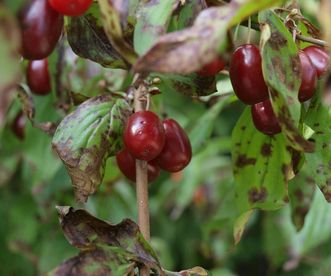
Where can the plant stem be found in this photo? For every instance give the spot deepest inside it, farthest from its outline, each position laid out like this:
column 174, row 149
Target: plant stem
column 142, row 182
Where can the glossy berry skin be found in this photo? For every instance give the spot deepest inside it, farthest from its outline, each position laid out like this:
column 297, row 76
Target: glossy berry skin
column 177, row 151
column 212, row 68
column 41, row 28
column 127, row 165
column 246, row 75
column 144, row 135
column 18, row 125
column 71, row 7
column 319, row 58
column 264, row 118
column 308, row 78
column 38, row 77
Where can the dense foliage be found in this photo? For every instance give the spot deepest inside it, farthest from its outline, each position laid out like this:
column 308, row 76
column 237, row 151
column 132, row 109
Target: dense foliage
column 248, row 81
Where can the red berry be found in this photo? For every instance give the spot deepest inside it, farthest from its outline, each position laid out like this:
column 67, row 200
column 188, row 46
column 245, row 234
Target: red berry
column 319, row 58
column 308, row 78
column 264, row 118
column 18, row 125
column 177, row 151
column 38, row 77
column 144, row 135
column 127, row 165
column 246, row 75
column 71, row 7
column 41, row 29
column 212, row 68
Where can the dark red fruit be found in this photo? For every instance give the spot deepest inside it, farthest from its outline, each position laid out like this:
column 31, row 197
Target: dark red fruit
column 212, row 68
column 71, row 7
column 18, row 125
column 41, row 29
column 177, row 151
column 308, row 78
column 246, row 75
column 37, row 76
column 127, row 165
column 144, row 135
column 264, row 118
column 319, row 58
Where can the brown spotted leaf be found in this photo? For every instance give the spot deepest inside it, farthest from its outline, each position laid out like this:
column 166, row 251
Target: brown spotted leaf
column 195, row 271
column 87, row 137
column 10, row 70
column 281, row 71
column 106, row 249
column 301, row 192
column 88, row 39
column 261, row 167
column 111, row 14
column 186, row 51
column 319, row 163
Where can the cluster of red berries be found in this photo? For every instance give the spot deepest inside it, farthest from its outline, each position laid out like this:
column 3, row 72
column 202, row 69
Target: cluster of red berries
column 248, row 83
column 163, row 144
column 41, row 27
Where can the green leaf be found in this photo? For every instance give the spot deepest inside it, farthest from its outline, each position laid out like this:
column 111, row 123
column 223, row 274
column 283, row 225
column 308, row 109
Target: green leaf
column 105, row 248
column 281, row 71
column 186, row 51
column 319, row 163
column 10, row 70
column 87, row 137
column 87, row 39
column 152, row 22
column 261, row 167
column 240, row 224
column 111, row 14
column 204, row 126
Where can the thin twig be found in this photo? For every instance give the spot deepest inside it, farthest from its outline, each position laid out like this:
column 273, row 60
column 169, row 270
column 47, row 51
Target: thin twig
column 141, row 177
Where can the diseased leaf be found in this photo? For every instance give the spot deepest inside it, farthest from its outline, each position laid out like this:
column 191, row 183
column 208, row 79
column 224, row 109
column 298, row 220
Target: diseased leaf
column 152, row 22
column 262, row 166
column 301, row 192
column 88, row 39
column 87, row 137
column 105, row 248
column 281, row 71
column 319, row 163
column 111, row 13
column 190, row 85
column 188, row 50
column 10, row 70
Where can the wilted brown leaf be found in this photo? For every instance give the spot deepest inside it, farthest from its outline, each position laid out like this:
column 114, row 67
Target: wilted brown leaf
column 105, row 248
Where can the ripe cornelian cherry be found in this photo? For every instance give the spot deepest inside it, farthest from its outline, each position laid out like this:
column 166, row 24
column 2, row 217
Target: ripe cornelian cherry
column 177, row 151
column 319, row 58
column 144, row 135
column 246, row 75
column 18, row 125
column 127, row 165
column 71, row 7
column 308, row 78
column 41, row 28
column 38, row 77
column 212, row 68
column 264, row 118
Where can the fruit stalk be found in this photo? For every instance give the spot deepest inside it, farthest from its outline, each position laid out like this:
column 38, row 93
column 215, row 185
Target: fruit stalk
column 142, row 181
